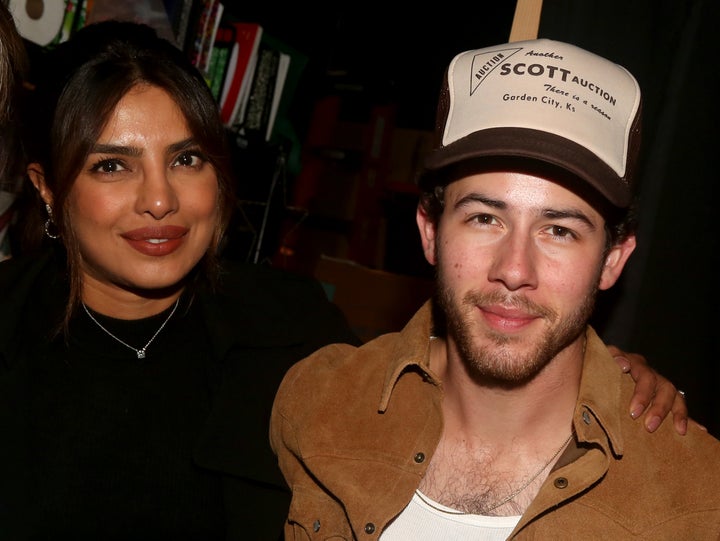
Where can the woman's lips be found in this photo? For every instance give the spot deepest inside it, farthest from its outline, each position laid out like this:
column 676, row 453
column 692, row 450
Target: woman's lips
column 156, row 241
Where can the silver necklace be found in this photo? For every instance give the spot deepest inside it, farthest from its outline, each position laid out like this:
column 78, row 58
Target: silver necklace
column 139, row 352
column 507, row 498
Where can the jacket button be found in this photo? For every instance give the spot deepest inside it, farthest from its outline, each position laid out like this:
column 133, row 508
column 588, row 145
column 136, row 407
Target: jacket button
column 586, row 417
column 369, row 527
column 316, row 526
column 419, row 458
column 561, row 482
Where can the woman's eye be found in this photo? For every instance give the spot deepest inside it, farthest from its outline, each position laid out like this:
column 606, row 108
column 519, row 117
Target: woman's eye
column 189, row 159
column 108, row 166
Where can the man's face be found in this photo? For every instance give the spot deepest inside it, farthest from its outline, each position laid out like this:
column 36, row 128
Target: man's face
column 519, row 261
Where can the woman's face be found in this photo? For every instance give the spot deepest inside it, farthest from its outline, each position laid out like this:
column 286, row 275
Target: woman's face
column 144, row 208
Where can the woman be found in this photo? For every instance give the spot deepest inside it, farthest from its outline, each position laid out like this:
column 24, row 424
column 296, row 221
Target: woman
column 136, row 376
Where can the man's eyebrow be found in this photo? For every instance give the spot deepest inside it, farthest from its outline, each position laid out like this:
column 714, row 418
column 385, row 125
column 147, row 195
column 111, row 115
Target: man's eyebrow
column 475, row 197
column 572, row 214
column 557, row 214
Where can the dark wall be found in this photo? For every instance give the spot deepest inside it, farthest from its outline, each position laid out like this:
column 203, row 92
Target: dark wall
column 666, row 304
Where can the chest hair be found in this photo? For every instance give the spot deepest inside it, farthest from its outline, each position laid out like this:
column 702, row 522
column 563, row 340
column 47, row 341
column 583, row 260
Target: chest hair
column 475, row 481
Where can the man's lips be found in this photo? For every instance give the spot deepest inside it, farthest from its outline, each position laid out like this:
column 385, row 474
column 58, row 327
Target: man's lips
column 507, row 318
column 156, row 241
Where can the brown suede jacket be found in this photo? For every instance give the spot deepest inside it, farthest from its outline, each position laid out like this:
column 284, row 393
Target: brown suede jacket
column 355, row 428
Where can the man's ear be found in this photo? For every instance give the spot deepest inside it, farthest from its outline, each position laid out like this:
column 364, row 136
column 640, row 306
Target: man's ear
column 615, row 262
column 428, row 234
column 36, row 174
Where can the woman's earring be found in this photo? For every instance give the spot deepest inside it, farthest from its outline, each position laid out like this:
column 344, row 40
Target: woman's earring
column 50, row 227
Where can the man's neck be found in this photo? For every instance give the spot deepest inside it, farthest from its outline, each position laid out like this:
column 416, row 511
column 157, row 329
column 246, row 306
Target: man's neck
column 496, row 439
column 494, row 411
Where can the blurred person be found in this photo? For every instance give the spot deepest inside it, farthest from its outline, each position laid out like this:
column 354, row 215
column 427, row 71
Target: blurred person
column 13, row 69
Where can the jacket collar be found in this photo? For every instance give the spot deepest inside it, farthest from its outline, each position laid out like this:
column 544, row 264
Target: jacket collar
column 601, row 378
column 412, row 349
column 599, row 396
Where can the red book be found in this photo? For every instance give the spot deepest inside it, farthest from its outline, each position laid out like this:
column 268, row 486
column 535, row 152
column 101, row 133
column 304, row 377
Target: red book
column 240, row 71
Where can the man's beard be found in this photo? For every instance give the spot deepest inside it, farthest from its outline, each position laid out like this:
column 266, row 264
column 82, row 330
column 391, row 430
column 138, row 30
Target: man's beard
column 497, row 362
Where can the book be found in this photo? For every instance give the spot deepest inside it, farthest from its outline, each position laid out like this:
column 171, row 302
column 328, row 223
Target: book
column 257, row 115
column 208, row 41
column 283, row 128
column 243, row 59
column 178, row 12
column 220, row 59
column 81, row 14
column 72, row 8
column 202, row 31
column 280, row 78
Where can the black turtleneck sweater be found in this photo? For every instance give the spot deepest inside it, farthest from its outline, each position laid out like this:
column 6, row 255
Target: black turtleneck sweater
column 113, row 434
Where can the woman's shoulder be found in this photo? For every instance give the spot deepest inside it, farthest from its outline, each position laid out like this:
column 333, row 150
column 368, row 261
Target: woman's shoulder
column 31, row 288
column 18, row 273
column 276, row 303
column 244, row 278
column 268, row 290
column 15, row 266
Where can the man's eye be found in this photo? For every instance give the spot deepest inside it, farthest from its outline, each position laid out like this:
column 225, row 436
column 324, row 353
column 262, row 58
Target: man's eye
column 484, row 219
column 559, row 231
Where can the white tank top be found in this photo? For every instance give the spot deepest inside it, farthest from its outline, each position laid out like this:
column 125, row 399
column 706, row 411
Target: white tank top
column 426, row 520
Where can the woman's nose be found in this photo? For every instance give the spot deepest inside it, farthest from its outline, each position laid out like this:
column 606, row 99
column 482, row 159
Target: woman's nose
column 156, row 194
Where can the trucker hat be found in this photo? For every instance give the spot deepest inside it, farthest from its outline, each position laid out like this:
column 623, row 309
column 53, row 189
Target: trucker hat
column 545, row 101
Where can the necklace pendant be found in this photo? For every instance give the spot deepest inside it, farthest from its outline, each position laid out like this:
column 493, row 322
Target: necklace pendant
column 140, row 352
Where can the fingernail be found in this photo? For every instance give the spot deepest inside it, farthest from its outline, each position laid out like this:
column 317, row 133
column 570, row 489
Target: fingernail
column 653, row 423
column 637, row 412
column 623, row 362
column 683, row 427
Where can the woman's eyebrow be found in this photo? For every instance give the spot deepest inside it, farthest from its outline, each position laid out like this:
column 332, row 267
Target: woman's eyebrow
column 104, row 148
column 109, row 148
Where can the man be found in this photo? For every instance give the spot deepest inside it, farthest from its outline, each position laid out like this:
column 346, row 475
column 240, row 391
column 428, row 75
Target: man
column 498, row 413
